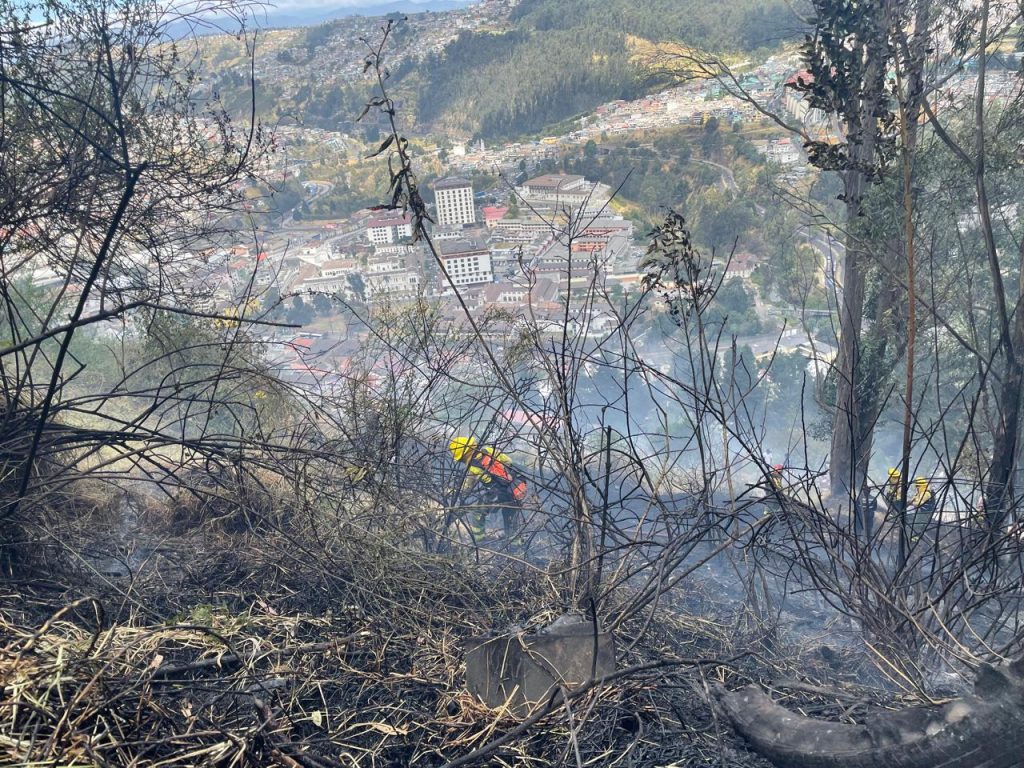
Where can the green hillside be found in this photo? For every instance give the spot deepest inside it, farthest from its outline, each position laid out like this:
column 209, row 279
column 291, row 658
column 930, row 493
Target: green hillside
column 549, row 61
column 564, row 57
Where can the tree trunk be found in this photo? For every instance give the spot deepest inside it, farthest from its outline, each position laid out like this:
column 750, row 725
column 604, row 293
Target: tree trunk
column 853, row 421
column 983, row 730
column 999, row 488
column 847, row 441
column 1005, row 443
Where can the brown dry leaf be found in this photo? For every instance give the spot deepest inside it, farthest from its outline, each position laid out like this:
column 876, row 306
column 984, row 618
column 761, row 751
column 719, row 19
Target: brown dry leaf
column 387, row 730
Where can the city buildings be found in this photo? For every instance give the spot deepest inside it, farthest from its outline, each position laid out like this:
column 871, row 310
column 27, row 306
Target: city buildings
column 384, row 230
column 466, row 262
column 556, row 190
column 453, row 198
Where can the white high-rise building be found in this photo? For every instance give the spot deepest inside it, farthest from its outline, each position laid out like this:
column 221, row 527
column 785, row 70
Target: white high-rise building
column 454, row 200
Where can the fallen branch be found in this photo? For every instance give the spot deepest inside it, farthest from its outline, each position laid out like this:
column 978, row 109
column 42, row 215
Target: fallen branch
column 167, row 670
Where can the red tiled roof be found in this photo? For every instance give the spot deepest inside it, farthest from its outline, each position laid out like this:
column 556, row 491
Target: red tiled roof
column 389, row 221
column 803, row 77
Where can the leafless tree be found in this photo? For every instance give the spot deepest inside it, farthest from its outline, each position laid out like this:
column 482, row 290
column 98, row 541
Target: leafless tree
column 118, row 172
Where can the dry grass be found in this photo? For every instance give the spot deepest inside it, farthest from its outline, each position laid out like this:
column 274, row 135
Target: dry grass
column 334, row 639
column 252, row 653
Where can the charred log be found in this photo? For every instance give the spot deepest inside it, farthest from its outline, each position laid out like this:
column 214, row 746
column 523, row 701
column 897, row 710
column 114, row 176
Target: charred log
column 981, row 730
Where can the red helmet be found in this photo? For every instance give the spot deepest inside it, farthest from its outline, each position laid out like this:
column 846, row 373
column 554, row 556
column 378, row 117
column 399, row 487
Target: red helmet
column 778, row 467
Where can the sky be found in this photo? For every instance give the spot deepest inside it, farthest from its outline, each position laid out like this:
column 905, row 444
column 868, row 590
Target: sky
column 292, row 13
column 301, row 5
column 290, row 6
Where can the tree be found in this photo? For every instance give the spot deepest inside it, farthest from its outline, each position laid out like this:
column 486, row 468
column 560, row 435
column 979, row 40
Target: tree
column 722, row 219
column 323, row 305
column 735, row 303
column 848, row 56
column 978, row 33
column 109, row 151
column 300, row 312
column 711, row 139
column 849, row 53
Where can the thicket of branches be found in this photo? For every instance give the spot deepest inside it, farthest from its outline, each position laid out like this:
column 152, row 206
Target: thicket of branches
column 284, row 518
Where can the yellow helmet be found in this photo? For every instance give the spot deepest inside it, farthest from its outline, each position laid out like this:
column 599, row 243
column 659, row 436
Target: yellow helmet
column 894, row 474
column 921, row 482
column 459, row 445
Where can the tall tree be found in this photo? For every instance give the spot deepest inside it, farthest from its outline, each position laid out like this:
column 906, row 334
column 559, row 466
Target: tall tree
column 975, row 128
column 848, row 55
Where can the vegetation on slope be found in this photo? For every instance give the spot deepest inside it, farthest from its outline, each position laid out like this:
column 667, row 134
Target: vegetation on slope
column 564, row 58
column 553, row 60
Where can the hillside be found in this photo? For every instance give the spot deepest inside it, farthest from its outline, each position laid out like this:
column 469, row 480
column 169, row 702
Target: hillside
column 562, row 58
column 494, row 70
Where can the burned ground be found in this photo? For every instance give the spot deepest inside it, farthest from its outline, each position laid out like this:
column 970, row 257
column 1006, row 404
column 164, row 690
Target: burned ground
column 274, row 647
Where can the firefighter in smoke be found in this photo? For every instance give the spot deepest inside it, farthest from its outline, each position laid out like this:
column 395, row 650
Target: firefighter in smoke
column 498, row 485
column 891, row 494
column 776, row 478
column 921, row 508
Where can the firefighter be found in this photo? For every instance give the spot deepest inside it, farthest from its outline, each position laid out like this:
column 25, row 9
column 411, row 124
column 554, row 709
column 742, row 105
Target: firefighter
column 499, row 484
column 892, row 495
column 921, row 508
column 776, row 477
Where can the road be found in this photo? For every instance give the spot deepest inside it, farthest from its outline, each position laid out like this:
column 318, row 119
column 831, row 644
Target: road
column 727, row 175
column 834, row 253
column 320, row 188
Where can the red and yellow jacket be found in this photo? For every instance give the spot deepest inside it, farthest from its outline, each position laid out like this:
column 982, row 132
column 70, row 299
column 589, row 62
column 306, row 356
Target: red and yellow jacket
column 488, row 466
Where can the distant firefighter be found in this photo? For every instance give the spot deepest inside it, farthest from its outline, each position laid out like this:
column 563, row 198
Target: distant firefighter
column 892, row 493
column 921, row 508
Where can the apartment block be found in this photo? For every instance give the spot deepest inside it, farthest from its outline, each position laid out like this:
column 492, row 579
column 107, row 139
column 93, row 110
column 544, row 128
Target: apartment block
column 454, row 200
column 466, row 262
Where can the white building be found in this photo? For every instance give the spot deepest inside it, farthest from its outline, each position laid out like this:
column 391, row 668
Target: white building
column 557, row 190
column 403, row 284
column 454, row 200
column 338, row 268
column 466, row 262
column 794, row 102
column 782, row 152
column 391, row 278
column 389, row 229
